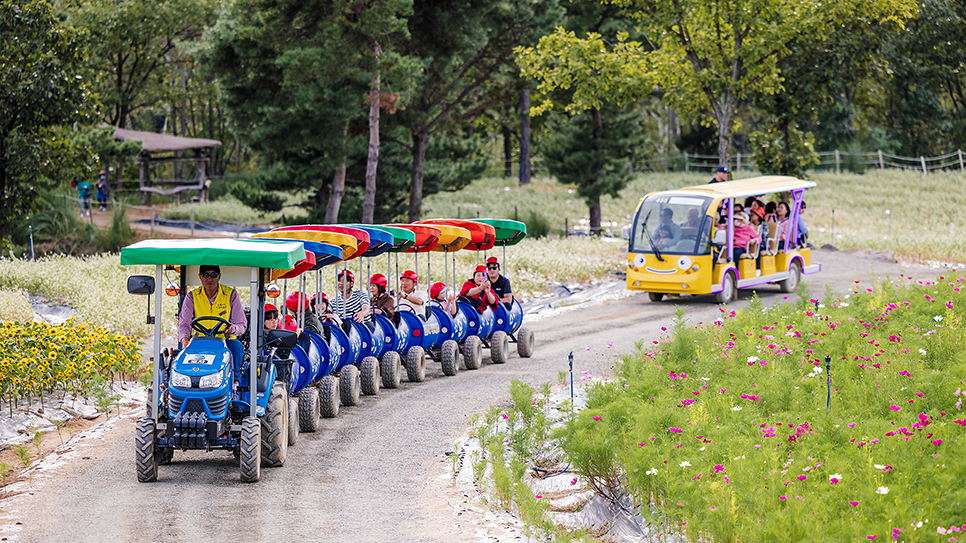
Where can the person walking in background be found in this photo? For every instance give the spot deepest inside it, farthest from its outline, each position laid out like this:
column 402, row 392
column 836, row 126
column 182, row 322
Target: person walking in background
column 84, row 193
column 720, row 176
column 102, row 190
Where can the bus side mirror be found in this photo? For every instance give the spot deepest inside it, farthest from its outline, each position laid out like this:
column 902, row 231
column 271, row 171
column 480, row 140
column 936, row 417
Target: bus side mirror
column 720, row 237
column 626, row 231
column 140, row 284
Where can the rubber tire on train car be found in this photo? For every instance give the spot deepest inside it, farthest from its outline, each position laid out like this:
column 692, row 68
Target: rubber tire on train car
column 499, row 347
column 274, row 434
column 350, row 385
column 329, row 396
column 450, row 357
column 309, row 409
column 416, row 364
column 473, row 353
column 391, row 368
column 293, row 420
column 250, row 453
column 144, row 440
column 370, row 376
column 525, row 342
column 794, row 278
column 729, row 289
column 655, row 296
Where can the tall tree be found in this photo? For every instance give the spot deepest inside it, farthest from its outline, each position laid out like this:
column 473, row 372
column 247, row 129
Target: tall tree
column 706, row 56
column 40, row 89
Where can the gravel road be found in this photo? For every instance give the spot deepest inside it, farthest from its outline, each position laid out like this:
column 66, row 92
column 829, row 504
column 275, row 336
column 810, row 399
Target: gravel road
column 364, row 477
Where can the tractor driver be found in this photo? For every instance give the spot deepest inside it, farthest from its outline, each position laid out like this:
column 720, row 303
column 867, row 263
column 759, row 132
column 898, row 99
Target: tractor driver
column 212, row 299
column 499, row 284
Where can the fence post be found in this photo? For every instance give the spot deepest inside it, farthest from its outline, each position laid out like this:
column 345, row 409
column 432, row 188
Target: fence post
column 152, row 220
column 960, row 153
column 738, row 168
column 686, row 170
column 837, row 169
column 881, row 162
column 192, row 221
column 922, row 160
column 566, row 227
column 238, row 230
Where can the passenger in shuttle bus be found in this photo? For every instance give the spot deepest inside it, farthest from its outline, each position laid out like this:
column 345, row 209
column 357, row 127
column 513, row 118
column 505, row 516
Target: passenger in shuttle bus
column 667, row 214
column 770, row 215
column 694, row 219
column 744, row 232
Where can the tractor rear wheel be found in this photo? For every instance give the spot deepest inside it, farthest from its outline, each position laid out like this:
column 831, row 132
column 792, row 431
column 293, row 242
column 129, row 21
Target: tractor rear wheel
column 370, row 376
column 472, row 353
column 147, row 464
column 450, row 357
column 329, row 396
column 391, row 369
column 499, row 348
column 525, row 342
column 416, row 364
column 250, row 453
column 350, row 385
column 274, row 434
column 293, row 420
column 309, row 409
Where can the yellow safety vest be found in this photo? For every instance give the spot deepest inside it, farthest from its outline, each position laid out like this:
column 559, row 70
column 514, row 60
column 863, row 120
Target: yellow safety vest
column 221, row 308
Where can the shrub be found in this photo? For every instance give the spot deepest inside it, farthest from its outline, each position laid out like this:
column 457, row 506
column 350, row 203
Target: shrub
column 537, row 225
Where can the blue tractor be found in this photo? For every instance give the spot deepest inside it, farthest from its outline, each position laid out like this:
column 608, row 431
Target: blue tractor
column 200, row 398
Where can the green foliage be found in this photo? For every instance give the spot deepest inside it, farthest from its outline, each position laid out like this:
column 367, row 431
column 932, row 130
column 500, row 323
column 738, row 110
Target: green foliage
column 37, row 438
column 23, row 454
column 119, row 234
column 40, row 90
column 5, row 469
column 783, row 150
column 537, row 225
column 720, row 426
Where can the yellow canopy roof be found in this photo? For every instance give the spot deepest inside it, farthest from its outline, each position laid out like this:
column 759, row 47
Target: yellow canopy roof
column 753, row 186
column 348, row 243
column 451, row 238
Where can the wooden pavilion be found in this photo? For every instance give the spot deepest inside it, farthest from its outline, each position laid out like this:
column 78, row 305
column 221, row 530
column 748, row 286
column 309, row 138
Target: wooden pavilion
column 153, row 144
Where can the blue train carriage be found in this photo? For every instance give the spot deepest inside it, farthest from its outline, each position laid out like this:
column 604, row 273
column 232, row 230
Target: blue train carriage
column 204, row 399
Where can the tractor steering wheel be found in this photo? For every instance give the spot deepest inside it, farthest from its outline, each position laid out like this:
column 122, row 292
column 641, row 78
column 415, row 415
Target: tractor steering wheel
column 220, row 328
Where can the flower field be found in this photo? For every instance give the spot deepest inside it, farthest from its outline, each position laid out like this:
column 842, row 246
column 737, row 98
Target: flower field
column 38, row 358
column 737, row 431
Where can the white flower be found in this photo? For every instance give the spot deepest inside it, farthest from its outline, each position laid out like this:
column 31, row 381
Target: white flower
column 701, row 449
column 835, row 476
column 752, row 358
column 879, row 466
column 652, row 471
column 736, row 408
column 938, row 318
column 882, row 490
column 844, row 304
column 685, row 464
column 821, row 306
column 922, row 351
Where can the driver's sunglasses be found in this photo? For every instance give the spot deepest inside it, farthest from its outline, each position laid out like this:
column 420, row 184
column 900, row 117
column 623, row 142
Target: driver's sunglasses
column 210, row 275
column 493, row 267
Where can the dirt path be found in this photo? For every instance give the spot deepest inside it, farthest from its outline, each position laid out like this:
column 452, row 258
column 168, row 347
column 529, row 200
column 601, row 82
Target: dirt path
column 371, row 474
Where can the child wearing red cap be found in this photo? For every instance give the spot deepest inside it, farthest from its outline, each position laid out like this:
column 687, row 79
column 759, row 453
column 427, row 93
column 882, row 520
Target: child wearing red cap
column 409, row 298
column 499, row 284
column 382, row 303
column 441, row 295
column 478, row 290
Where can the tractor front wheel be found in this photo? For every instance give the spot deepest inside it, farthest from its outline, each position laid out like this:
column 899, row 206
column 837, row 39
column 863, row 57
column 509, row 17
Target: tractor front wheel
column 147, row 464
column 250, row 453
column 274, row 434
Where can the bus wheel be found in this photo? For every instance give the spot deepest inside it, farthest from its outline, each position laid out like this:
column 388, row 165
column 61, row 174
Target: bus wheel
column 794, row 276
column 729, row 290
column 655, row 296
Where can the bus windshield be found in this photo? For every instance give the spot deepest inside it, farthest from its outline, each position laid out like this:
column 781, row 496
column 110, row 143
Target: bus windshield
column 672, row 224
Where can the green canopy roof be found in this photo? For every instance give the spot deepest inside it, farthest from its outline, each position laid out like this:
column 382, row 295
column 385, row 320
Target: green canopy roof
column 508, row 232
column 221, row 252
column 402, row 239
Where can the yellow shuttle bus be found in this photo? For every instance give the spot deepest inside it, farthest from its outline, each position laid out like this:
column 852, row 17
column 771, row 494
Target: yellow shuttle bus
column 682, row 241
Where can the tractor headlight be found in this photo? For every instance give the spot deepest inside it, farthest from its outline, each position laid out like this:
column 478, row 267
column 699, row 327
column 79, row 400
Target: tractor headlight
column 180, row 380
column 213, row 380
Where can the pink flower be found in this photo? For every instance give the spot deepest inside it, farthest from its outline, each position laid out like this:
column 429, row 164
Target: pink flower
column 713, row 508
column 871, row 537
column 895, row 407
column 782, row 498
column 853, row 504
column 539, row 496
column 573, row 482
column 937, row 442
column 640, row 444
column 675, row 430
column 802, row 477
column 596, row 418
column 680, row 504
column 833, row 481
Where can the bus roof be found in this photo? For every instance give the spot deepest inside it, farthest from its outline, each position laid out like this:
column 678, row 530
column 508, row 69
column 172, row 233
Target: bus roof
column 753, row 186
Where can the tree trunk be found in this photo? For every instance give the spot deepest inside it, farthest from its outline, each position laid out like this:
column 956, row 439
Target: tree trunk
column 369, row 203
column 598, row 135
column 336, row 192
column 724, row 113
column 416, row 186
column 507, row 152
column 525, row 137
column 4, row 231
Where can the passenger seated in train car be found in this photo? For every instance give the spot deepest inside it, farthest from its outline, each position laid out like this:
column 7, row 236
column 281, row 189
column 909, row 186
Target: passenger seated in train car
column 667, row 216
column 770, row 215
column 410, row 299
column 298, row 300
column 477, row 291
column 757, row 219
column 355, row 305
column 785, row 226
column 320, row 306
column 443, row 297
column 744, row 232
column 693, row 220
column 271, row 317
column 499, row 284
column 382, row 303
